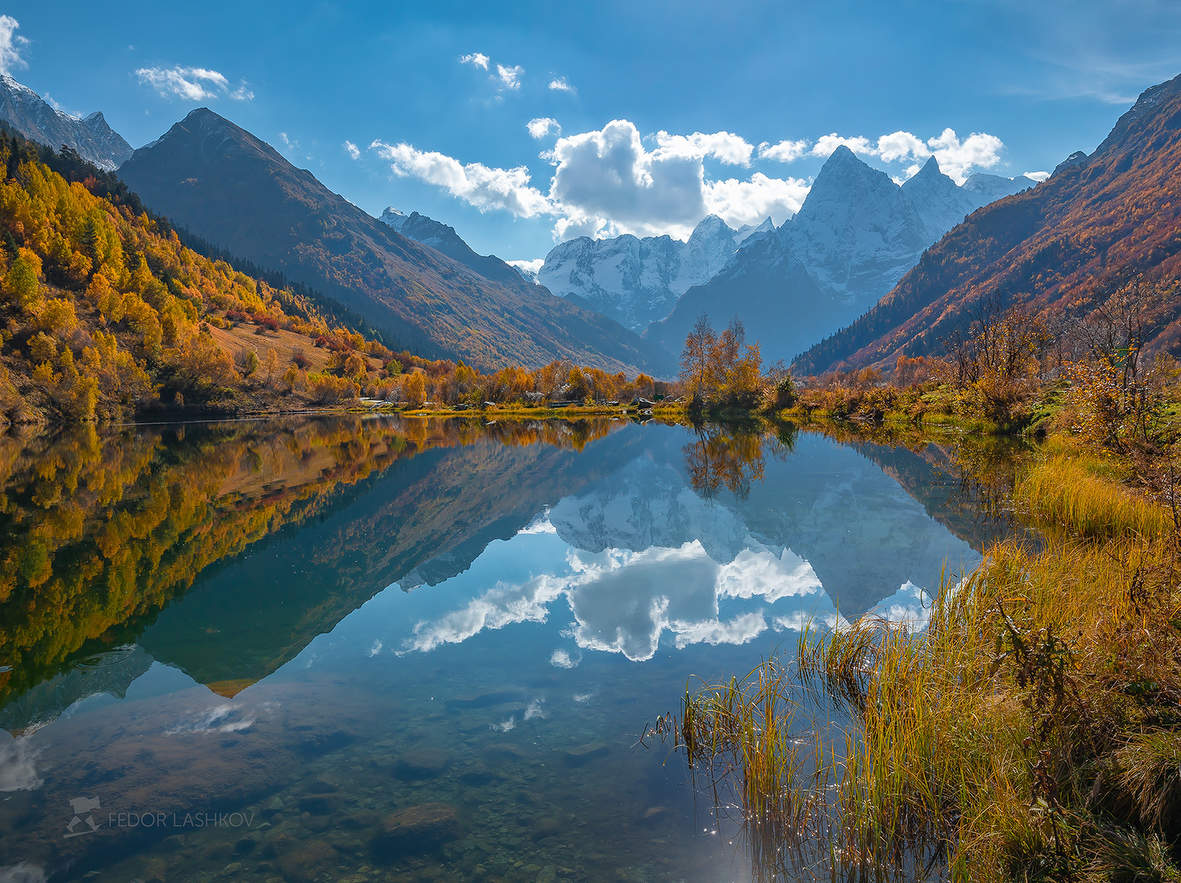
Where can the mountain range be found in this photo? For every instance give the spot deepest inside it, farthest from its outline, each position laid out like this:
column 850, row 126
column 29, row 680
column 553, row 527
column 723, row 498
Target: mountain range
column 854, row 237
column 1057, row 251
column 36, row 119
column 869, row 267
column 237, row 192
column 637, row 281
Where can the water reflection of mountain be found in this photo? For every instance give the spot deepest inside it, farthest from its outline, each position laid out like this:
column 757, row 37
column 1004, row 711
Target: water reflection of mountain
column 99, row 534
column 968, row 498
column 110, row 672
column 861, row 532
column 223, row 550
column 427, row 518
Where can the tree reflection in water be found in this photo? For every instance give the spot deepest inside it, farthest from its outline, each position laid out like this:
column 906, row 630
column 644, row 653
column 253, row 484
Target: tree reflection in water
column 733, row 456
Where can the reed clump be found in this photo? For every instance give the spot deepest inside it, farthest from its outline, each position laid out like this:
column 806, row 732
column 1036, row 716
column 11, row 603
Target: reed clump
column 1077, row 493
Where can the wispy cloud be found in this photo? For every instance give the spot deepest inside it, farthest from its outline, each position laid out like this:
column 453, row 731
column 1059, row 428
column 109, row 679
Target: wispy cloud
column 510, row 75
column 479, row 185
column 560, row 84
column 1090, row 75
column 352, row 150
column 192, row 83
column 475, row 59
column 507, row 77
column 12, row 45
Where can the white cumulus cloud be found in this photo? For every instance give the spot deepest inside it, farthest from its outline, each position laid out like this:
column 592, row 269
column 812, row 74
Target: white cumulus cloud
column 901, row 146
column 957, row 157
column 12, row 45
column 617, row 180
column 531, row 266
column 826, row 144
column 539, row 127
column 192, row 83
column 739, row 202
column 1037, row 176
column 726, row 147
column 352, row 150
column 607, row 181
column 560, row 84
column 783, row 151
column 607, row 173
column 477, row 184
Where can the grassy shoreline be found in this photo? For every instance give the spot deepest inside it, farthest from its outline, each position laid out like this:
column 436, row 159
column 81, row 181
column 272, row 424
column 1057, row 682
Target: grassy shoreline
column 1031, row 732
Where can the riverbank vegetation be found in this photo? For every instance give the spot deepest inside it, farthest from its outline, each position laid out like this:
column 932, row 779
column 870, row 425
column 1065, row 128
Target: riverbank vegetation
column 1032, row 729
column 1008, row 373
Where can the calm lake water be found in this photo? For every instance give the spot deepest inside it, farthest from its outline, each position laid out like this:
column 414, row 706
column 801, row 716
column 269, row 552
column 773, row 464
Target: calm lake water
column 352, row 649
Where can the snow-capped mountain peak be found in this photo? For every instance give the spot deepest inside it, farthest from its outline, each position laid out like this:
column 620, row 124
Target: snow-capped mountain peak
column 856, row 232
column 32, row 116
column 636, row 280
column 939, row 202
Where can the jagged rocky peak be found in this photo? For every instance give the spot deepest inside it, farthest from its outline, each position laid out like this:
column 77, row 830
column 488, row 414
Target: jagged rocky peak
column 443, row 238
column 710, row 226
column 847, row 191
column 856, row 232
column 32, row 116
column 930, row 172
column 940, row 203
column 750, row 230
column 393, row 217
column 988, row 188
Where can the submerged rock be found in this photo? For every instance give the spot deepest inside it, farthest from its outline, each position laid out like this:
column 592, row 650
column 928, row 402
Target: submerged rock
column 422, row 763
column 546, row 827
column 318, row 804
column 416, row 830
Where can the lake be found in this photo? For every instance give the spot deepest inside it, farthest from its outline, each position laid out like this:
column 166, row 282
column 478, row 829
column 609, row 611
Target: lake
column 380, row 648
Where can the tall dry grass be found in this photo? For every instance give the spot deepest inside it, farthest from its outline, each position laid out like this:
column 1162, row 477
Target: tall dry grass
column 1032, row 732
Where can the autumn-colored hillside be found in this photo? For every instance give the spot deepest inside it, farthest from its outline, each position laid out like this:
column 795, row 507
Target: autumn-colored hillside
column 1058, row 251
column 105, row 314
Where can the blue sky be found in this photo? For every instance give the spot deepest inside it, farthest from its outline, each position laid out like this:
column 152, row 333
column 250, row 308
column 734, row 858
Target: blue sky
column 744, row 93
